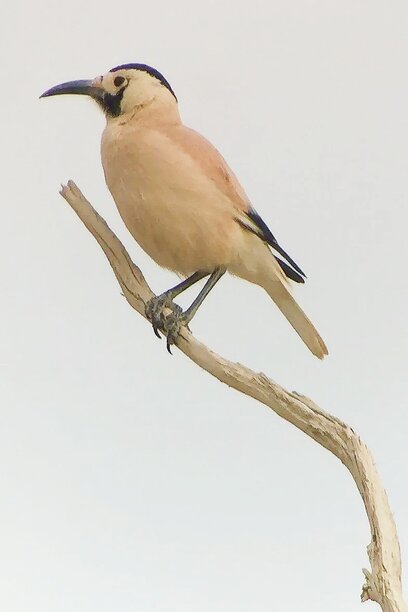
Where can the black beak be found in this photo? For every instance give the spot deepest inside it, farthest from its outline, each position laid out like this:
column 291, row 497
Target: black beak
column 85, row 88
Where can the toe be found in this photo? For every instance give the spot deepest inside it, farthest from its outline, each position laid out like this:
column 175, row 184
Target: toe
column 169, row 324
column 172, row 325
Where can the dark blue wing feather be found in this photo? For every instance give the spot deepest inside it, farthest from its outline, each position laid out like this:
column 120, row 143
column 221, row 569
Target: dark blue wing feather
column 290, row 268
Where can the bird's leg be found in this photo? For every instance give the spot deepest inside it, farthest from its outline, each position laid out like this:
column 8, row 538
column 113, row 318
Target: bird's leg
column 174, row 321
column 155, row 306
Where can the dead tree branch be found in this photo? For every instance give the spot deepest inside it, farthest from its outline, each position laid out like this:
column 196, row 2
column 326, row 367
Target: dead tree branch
column 383, row 583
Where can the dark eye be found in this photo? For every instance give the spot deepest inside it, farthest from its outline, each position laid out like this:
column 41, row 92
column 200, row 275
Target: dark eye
column 118, row 81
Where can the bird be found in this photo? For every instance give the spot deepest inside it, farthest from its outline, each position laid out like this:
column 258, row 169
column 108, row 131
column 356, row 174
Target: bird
column 181, row 202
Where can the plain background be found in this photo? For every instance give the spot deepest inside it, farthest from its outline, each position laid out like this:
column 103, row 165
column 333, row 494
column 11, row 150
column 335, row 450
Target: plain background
column 131, row 480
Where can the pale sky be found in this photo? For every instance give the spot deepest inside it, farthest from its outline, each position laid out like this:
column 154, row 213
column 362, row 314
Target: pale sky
column 132, row 481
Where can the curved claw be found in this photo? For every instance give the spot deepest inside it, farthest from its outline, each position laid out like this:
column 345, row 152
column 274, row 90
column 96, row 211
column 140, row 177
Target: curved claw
column 172, row 325
column 155, row 308
column 156, row 331
column 154, row 313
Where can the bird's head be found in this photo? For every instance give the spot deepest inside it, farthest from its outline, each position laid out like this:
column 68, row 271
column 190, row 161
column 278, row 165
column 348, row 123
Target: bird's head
column 122, row 90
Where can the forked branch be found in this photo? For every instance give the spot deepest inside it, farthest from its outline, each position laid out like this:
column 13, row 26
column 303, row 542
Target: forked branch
column 383, row 583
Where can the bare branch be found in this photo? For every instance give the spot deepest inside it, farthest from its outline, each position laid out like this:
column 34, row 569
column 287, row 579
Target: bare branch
column 383, row 583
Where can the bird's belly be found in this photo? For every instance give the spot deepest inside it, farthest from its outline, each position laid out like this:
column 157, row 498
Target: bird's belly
column 174, row 213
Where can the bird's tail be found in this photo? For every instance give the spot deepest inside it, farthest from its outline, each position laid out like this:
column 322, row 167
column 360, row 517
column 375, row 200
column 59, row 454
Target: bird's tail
column 296, row 317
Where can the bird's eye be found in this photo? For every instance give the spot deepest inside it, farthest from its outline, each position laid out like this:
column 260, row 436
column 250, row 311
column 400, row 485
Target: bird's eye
column 118, row 81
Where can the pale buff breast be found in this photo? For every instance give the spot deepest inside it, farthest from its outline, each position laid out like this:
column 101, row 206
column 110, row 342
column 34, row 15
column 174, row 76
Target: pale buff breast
column 170, row 206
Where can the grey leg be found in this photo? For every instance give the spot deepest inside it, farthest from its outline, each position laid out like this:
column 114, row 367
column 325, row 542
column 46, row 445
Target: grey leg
column 173, row 323
column 156, row 306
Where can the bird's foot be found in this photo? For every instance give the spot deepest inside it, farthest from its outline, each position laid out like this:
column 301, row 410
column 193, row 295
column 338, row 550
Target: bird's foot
column 155, row 308
column 172, row 325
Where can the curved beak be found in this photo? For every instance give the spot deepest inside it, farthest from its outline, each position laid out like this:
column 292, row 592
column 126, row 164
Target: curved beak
column 84, row 87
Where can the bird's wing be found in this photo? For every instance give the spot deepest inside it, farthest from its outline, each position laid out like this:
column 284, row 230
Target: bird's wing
column 254, row 223
column 208, row 158
column 211, row 162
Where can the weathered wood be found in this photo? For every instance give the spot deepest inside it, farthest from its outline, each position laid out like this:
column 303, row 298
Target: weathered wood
column 383, row 583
